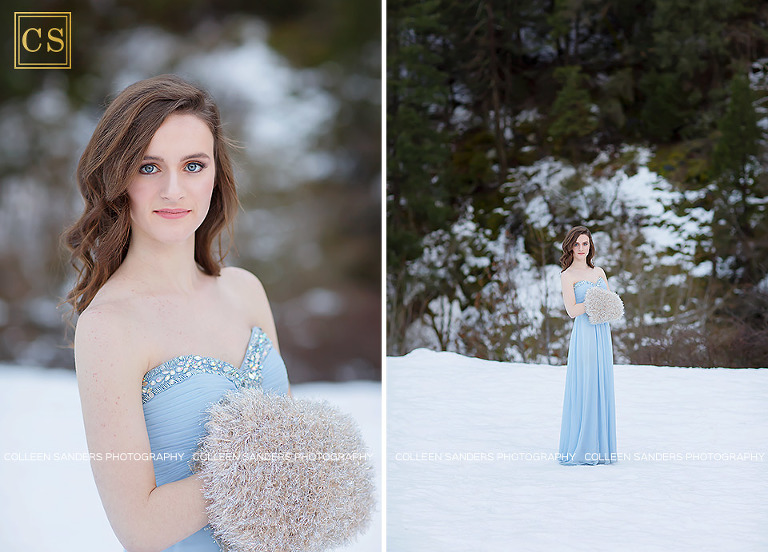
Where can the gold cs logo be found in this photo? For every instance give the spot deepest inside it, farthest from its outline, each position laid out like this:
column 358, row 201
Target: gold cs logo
column 42, row 40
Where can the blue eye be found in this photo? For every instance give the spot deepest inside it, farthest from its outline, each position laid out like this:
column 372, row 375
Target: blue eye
column 194, row 166
column 148, row 169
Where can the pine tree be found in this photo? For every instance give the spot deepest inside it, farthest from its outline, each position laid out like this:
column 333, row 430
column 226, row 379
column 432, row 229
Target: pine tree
column 417, row 151
column 572, row 117
column 740, row 224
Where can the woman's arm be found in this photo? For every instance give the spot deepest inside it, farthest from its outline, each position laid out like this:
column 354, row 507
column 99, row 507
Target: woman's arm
column 573, row 308
column 144, row 517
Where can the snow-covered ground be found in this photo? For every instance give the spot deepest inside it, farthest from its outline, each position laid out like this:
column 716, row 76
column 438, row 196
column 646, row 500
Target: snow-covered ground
column 47, row 504
column 470, row 460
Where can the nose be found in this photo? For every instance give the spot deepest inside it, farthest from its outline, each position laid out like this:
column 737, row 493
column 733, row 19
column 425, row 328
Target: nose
column 172, row 189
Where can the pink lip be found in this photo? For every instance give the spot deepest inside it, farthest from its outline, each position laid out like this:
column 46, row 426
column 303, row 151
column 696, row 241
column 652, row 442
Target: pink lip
column 172, row 213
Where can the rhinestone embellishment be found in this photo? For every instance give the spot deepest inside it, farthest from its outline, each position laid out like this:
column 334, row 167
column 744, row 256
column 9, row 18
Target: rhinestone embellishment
column 178, row 369
column 575, row 285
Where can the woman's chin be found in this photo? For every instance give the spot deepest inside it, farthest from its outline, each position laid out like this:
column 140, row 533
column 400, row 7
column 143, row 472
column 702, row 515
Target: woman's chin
column 167, row 238
column 167, row 232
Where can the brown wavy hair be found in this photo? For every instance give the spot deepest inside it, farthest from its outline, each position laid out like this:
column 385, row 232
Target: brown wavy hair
column 98, row 242
column 570, row 240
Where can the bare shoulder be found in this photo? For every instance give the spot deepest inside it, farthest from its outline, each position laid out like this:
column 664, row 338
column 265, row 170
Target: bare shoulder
column 243, row 287
column 601, row 272
column 566, row 276
column 246, row 289
column 106, row 330
column 243, row 282
column 101, row 324
column 240, row 276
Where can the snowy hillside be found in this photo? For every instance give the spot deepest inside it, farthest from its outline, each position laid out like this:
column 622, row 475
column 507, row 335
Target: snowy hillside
column 53, row 505
column 470, row 459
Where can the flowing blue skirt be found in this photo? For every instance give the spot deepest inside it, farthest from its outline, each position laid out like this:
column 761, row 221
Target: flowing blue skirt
column 588, row 428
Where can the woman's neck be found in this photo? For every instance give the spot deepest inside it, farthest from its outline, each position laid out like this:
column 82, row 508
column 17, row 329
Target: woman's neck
column 163, row 267
column 580, row 265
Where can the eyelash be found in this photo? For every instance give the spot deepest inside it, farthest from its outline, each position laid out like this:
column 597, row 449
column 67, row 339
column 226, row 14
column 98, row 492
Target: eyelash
column 199, row 163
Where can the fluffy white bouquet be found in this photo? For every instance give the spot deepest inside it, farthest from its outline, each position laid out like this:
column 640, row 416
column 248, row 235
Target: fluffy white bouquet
column 283, row 474
column 602, row 305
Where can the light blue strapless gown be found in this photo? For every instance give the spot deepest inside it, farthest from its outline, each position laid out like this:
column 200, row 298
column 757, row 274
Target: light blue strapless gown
column 588, row 429
column 175, row 396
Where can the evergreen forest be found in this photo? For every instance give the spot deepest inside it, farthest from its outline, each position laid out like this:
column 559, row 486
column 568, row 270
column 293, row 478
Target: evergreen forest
column 509, row 122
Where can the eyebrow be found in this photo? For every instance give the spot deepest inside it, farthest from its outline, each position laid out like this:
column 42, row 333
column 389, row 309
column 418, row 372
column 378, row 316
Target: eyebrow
column 191, row 156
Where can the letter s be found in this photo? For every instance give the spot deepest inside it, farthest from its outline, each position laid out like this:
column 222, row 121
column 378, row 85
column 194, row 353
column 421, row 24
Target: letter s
column 24, row 39
column 52, row 38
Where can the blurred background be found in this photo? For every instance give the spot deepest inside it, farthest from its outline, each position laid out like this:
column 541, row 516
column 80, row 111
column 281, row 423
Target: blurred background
column 511, row 122
column 298, row 86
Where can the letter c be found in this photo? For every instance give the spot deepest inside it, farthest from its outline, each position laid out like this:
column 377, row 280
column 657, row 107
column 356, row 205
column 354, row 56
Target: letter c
column 24, row 39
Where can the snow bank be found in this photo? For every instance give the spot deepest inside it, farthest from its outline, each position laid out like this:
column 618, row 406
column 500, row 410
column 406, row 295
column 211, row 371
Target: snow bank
column 470, row 464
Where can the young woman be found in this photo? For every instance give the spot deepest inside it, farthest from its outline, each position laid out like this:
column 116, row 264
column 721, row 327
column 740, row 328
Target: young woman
column 164, row 328
column 588, row 429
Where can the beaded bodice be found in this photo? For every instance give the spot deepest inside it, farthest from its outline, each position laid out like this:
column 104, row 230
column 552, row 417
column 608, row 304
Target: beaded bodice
column 580, row 288
column 176, row 396
column 178, row 369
